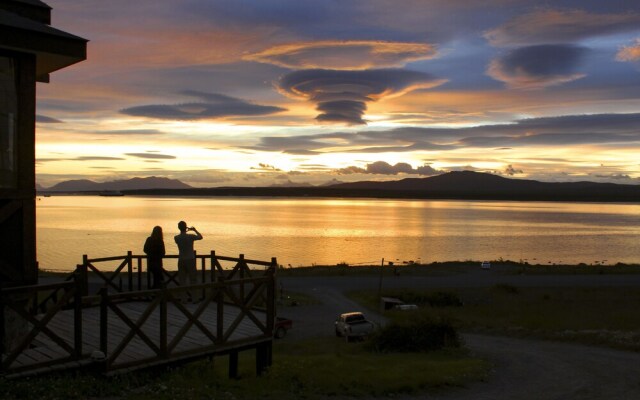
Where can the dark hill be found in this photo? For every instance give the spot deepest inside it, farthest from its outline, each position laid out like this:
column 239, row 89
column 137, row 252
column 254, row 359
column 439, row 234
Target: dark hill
column 84, row 185
column 464, row 185
column 469, row 184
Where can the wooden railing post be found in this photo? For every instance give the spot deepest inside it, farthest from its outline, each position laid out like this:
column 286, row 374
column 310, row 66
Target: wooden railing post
column 233, row 364
column 220, row 310
column 163, row 323
column 149, row 272
column 139, row 259
column 82, row 278
column 212, row 275
column 203, row 267
column 77, row 317
column 103, row 320
column 262, row 357
column 271, row 295
column 85, row 275
column 130, row 270
column 242, row 265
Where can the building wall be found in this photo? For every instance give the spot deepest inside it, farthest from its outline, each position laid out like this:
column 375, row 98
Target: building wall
column 18, row 264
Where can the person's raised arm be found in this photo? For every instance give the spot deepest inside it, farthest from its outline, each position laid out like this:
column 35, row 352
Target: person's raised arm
column 198, row 235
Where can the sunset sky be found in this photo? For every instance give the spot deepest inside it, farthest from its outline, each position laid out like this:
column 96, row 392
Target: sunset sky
column 264, row 92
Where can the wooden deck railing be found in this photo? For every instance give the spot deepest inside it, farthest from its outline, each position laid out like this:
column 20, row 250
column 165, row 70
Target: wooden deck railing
column 134, row 326
column 29, row 332
column 215, row 320
column 132, row 274
column 129, row 273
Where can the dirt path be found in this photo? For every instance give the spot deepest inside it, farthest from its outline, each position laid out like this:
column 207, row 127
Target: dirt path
column 523, row 369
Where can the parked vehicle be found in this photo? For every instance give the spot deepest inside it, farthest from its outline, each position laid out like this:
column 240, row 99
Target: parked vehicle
column 282, row 325
column 353, row 325
column 485, row 265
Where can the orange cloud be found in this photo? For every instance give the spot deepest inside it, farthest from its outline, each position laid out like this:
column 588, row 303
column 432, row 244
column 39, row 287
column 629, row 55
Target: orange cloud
column 629, row 53
column 347, row 55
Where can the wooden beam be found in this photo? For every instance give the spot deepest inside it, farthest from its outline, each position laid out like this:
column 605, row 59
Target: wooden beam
column 233, row 364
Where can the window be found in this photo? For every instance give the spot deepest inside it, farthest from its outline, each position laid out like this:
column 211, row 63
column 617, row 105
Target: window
column 8, row 117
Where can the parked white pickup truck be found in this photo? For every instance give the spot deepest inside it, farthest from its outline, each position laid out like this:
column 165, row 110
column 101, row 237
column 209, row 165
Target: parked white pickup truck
column 353, row 325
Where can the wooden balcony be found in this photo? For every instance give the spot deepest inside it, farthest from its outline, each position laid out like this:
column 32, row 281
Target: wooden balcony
column 99, row 320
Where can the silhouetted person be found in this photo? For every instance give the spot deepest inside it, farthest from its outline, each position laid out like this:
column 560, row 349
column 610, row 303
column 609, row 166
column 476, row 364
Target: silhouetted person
column 186, row 254
column 154, row 249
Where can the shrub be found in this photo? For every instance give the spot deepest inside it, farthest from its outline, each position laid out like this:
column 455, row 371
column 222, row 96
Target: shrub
column 506, row 288
column 416, row 335
column 444, row 299
column 437, row 299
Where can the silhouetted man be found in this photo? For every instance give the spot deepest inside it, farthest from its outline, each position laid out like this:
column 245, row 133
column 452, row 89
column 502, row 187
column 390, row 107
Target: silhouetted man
column 186, row 254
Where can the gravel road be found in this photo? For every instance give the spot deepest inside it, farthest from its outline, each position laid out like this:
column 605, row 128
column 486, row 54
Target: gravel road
column 523, row 369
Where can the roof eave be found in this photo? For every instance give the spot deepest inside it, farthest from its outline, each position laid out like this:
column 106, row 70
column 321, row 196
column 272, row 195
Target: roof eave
column 53, row 52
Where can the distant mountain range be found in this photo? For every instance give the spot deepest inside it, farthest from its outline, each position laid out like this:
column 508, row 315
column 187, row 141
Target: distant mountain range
column 465, row 185
column 476, row 185
column 84, row 185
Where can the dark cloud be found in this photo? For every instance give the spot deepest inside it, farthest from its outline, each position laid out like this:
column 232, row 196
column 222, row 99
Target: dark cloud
column 43, row 119
column 81, row 158
column 538, row 66
column 547, row 26
column 97, row 158
column 511, row 171
column 384, row 168
column 341, row 96
column 427, row 170
column 615, row 177
column 352, row 169
column 211, row 106
column 265, row 167
column 132, row 132
column 152, row 156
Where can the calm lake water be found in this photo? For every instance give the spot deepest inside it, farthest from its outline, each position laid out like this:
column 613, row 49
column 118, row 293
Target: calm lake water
column 310, row 231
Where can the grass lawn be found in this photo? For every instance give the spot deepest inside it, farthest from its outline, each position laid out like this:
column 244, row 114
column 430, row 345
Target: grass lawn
column 301, row 370
column 598, row 315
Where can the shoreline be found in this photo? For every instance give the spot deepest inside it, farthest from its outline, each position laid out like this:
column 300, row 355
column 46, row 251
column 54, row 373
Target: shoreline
column 437, row 268
column 331, row 193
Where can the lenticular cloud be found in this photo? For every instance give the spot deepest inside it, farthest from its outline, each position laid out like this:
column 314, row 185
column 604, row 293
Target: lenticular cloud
column 538, row 66
column 342, row 96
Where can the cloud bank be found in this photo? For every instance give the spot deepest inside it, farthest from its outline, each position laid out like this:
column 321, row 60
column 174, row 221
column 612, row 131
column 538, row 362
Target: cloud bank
column 211, row 106
column 556, row 26
column 342, row 96
column 384, row 168
column 603, row 129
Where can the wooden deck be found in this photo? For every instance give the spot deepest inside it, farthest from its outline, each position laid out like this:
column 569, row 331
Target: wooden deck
column 117, row 331
column 135, row 353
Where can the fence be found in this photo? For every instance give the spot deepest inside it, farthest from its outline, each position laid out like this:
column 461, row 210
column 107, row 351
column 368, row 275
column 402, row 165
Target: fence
column 133, row 326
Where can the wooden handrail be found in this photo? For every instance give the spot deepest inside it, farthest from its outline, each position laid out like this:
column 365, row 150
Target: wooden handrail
column 17, row 299
column 208, row 265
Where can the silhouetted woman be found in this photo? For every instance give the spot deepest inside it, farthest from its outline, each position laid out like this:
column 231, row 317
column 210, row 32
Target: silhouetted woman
column 154, row 248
